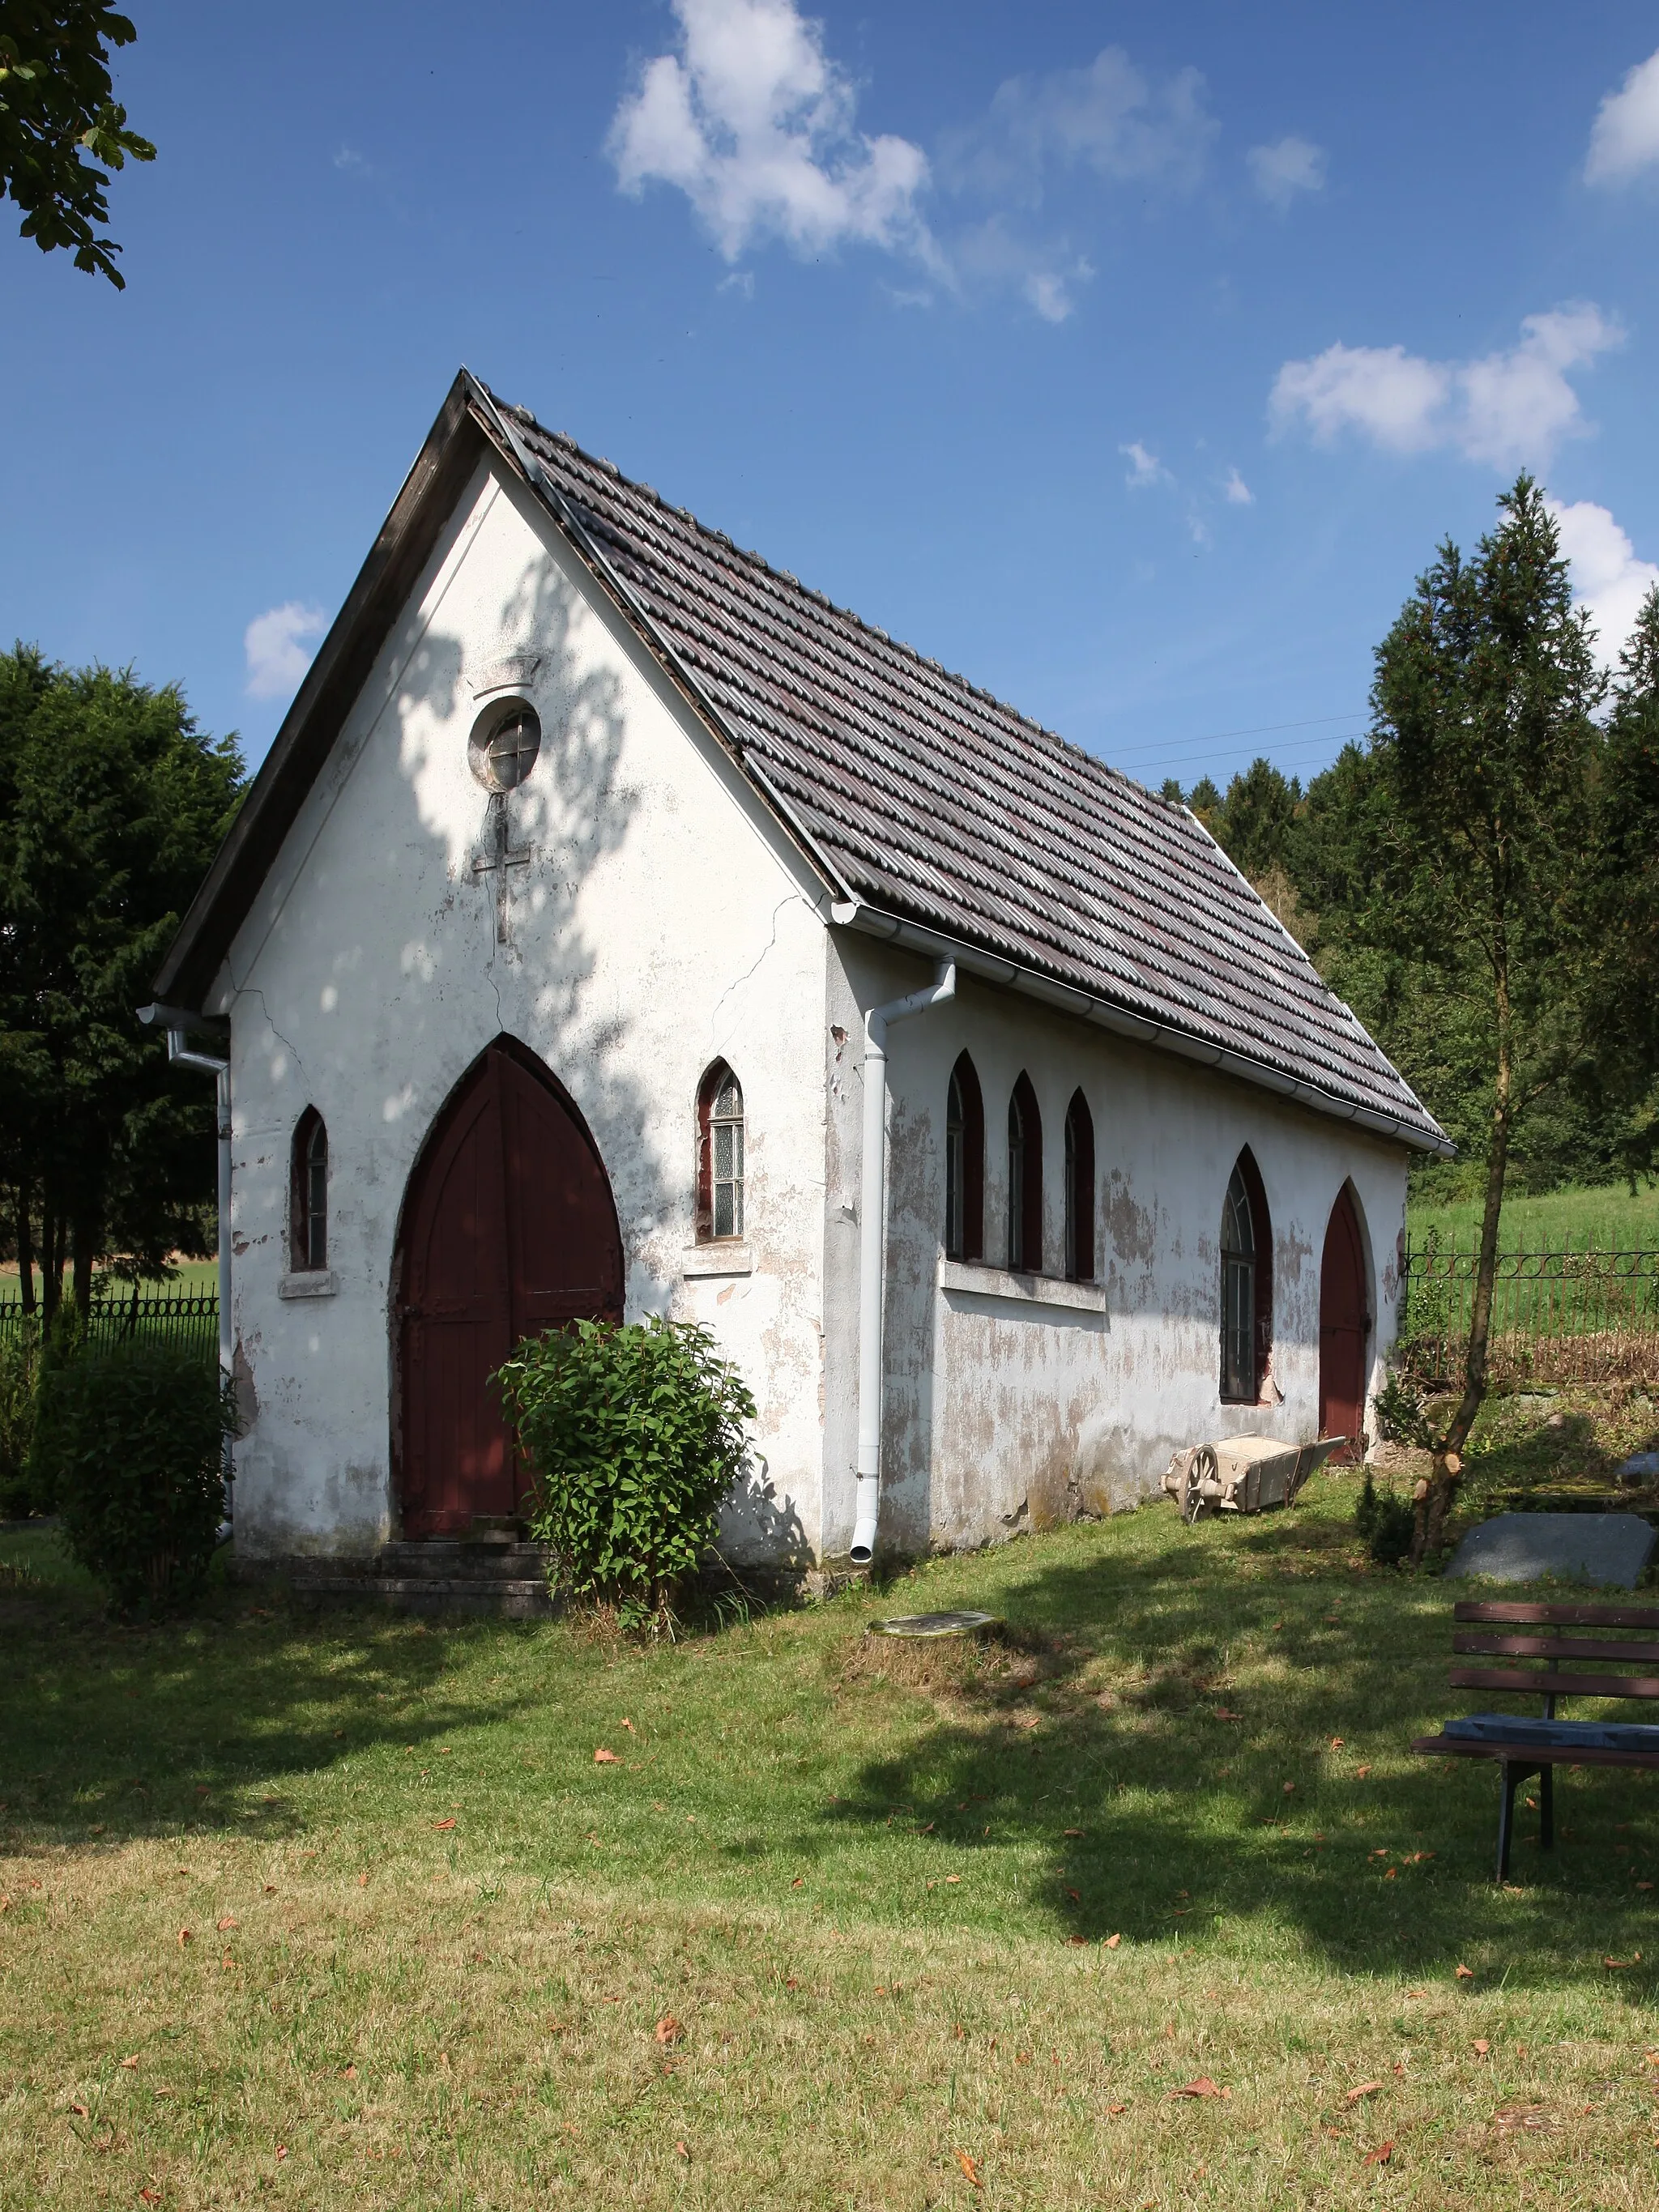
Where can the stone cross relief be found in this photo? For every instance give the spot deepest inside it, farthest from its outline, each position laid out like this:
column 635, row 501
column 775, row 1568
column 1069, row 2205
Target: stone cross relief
column 503, row 856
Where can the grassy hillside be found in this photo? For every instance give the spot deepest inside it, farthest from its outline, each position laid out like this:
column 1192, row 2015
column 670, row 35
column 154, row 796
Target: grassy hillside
column 1609, row 1219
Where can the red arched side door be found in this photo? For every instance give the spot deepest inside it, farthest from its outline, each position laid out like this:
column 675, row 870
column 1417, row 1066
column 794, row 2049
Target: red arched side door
column 509, row 1229
column 1344, row 1326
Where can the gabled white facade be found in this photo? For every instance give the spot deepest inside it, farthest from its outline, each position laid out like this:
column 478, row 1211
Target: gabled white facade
column 661, row 919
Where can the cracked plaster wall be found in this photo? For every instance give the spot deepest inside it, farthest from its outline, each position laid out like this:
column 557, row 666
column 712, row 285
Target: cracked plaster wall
column 1000, row 1413
column 660, row 922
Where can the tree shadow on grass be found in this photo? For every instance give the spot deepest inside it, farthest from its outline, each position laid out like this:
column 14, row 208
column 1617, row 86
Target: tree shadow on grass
column 111, row 1731
column 1196, row 1751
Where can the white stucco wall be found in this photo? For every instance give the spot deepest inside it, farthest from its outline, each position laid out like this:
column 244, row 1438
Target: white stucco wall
column 661, row 922
column 1003, row 1411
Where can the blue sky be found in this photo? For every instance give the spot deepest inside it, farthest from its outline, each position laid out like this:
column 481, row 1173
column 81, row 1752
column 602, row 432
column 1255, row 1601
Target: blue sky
column 1130, row 360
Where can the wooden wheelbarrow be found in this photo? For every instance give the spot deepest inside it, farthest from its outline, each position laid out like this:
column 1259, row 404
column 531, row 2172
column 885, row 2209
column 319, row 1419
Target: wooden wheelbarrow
column 1242, row 1474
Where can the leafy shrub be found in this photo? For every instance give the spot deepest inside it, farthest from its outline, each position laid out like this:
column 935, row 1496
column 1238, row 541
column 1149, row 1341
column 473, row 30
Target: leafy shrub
column 130, row 1436
column 19, row 1358
column 1386, row 1521
column 633, row 1437
column 1401, row 1418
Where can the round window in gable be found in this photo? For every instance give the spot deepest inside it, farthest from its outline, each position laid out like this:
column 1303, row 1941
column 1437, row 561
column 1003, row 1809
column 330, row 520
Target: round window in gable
column 505, row 741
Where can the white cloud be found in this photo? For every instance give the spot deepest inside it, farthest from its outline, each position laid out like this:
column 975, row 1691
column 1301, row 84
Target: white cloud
column 1287, row 167
column 1235, row 491
column 1144, row 468
column 1504, row 407
column 756, row 125
column 1607, row 577
column 1110, row 117
column 1625, row 136
column 276, row 659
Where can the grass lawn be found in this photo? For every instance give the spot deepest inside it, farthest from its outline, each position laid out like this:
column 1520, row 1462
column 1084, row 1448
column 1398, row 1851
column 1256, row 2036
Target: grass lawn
column 1608, row 1219
column 302, row 1914
column 192, row 1278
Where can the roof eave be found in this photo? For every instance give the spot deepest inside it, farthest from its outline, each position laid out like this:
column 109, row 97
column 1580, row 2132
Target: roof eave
column 451, row 450
column 855, row 913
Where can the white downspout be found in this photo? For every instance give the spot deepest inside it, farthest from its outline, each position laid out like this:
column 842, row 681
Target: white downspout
column 180, row 1052
column 872, row 1238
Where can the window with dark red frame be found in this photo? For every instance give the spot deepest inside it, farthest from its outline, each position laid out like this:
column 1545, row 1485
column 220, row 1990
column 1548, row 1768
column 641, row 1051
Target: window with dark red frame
column 1246, row 1308
column 1080, row 1191
column 964, row 1164
column 1025, row 1180
column 719, row 1155
column 308, row 1195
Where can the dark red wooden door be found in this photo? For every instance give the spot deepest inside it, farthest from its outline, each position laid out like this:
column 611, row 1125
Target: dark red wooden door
column 1344, row 1326
column 509, row 1229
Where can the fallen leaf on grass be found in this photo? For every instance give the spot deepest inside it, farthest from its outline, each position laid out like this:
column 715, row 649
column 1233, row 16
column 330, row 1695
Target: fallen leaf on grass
column 348, row 2073
column 149, row 2196
column 131, row 2063
column 184, row 1936
column 1200, row 2085
column 604, row 1757
column 1117, row 2108
column 81, row 2109
column 1416, row 1993
column 669, row 2029
column 970, row 2168
column 1465, row 1973
column 680, row 2151
column 1112, row 1942
column 797, row 1882
column 1222, row 1714
column 628, row 1725
column 1360, row 1772
column 1072, row 1832
column 1620, row 1964
column 229, row 1921
column 1336, row 1743
column 1481, row 2046
column 1364, row 2089
column 953, row 1877
column 1382, row 2154
column 362, row 1881
column 449, row 1823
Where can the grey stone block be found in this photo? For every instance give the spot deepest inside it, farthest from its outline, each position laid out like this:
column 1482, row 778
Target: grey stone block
column 1607, row 1548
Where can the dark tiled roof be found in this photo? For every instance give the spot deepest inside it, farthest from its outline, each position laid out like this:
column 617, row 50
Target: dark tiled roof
column 933, row 801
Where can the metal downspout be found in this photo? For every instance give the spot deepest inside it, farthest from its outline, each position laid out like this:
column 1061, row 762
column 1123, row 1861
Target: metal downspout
column 872, row 1238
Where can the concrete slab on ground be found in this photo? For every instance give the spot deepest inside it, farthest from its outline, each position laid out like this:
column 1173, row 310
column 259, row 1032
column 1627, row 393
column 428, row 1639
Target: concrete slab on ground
column 1611, row 1549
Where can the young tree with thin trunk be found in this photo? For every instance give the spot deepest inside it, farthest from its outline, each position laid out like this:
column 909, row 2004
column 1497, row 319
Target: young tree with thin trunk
column 1486, row 816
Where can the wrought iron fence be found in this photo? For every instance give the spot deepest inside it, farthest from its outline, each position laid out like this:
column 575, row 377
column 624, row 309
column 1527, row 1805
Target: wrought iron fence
column 1557, row 1317
column 187, row 1319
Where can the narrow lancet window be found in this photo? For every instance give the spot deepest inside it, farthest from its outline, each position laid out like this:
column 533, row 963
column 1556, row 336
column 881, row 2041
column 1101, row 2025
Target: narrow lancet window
column 1080, row 1191
column 964, row 1164
column 308, row 1195
column 1024, row 1181
column 719, row 1155
column 1246, row 1284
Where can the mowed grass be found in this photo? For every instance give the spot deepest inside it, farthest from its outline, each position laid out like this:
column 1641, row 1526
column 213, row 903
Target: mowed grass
column 842, row 1923
column 1606, row 1219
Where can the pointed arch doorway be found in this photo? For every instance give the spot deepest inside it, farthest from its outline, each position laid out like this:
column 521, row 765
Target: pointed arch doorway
column 508, row 1229
column 1344, row 1324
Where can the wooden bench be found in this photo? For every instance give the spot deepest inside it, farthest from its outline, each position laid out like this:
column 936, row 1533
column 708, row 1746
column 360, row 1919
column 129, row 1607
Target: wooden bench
column 1524, row 1746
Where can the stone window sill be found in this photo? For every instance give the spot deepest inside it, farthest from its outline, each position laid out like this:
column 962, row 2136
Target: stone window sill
column 1022, row 1290
column 315, row 1283
column 726, row 1257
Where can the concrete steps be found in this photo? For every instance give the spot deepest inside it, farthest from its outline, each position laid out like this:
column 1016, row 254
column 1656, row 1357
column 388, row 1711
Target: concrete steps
column 487, row 1577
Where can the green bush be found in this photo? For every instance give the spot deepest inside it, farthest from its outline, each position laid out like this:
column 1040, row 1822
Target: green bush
column 1401, row 1418
column 19, row 1358
column 130, row 1438
column 633, row 1437
column 1386, row 1522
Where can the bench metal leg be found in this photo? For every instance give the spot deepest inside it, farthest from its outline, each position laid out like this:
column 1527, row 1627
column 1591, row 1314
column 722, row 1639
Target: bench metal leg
column 1546, row 1808
column 1514, row 1775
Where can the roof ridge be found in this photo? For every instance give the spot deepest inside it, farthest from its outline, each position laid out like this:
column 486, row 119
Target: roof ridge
column 758, row 560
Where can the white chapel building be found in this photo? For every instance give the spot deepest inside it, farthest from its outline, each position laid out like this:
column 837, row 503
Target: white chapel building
column 616, row 928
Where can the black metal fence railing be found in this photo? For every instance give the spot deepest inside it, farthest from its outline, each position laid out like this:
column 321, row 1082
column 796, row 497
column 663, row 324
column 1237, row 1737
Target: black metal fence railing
column 191, row 1320
column 1558, row 1317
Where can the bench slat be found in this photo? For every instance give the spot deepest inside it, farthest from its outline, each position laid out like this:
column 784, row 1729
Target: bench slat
column 1546, row 1682
column 1555, row 1647
column 1541, row 1753
column 1561, row 1616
